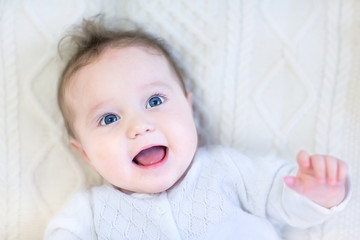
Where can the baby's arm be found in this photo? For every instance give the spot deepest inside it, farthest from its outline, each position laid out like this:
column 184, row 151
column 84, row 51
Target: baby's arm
column 320, row 178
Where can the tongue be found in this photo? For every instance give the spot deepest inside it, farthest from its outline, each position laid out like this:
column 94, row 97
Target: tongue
column 150, row 156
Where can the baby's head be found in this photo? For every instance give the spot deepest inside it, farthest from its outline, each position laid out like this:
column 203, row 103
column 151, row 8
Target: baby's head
column 127, row 110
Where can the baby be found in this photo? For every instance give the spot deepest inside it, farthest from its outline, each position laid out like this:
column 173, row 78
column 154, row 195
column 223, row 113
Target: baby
column 130, row 116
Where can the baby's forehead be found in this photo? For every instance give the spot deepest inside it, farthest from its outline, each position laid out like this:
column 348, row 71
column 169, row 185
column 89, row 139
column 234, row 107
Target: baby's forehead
column 125, row 59
column 148, row 50
column 129, row 58
column 136, row 54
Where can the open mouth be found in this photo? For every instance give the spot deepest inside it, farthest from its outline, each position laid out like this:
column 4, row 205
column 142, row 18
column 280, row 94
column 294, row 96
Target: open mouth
column 150, row 156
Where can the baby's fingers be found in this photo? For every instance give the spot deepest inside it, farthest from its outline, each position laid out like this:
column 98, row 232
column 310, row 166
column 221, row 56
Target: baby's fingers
column 328, row 169
column 303, row 160
column 319, row 167
column 332, row 168
column 342, row 171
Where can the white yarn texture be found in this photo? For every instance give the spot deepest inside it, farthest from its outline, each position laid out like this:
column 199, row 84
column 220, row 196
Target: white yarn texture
column 272, row 77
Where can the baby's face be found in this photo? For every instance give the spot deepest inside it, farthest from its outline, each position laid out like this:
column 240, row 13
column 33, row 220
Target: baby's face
column 133, row 122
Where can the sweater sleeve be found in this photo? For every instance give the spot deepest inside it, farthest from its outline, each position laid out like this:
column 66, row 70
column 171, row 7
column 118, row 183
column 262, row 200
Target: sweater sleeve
column 266, row 194
column 75, row 221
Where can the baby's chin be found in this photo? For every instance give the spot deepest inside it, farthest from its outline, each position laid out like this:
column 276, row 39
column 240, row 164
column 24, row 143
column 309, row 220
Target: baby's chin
column 155, row 190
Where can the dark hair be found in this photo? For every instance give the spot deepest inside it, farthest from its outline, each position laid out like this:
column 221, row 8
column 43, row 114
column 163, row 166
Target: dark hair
column 89, row 39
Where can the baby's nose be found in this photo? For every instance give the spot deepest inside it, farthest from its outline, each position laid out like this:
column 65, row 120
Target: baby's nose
column 139, row 126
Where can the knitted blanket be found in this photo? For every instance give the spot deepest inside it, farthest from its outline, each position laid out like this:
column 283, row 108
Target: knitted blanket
column 272, row 77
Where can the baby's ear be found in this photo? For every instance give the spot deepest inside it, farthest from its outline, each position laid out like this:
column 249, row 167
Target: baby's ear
column 78, row 147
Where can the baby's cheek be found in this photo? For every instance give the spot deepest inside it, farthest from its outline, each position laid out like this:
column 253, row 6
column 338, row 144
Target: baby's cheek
column 109, row 168
column 186, row 135
column 102, row 155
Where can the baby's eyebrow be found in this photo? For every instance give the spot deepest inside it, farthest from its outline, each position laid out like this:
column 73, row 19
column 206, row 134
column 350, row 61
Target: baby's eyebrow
column 94, row 109
column 157, row 84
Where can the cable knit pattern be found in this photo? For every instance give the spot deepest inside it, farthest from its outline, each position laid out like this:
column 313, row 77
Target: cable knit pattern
column 248, row 9
column 230, row 64
column 272, row 77
column 3, row 157
column 3, row 145
column 336, row 131
column 11, row 166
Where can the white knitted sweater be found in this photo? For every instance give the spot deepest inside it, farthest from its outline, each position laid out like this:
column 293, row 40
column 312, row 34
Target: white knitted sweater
column 219, row 198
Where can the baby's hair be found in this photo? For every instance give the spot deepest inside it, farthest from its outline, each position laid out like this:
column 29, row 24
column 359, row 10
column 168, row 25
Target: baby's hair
column 89, row 40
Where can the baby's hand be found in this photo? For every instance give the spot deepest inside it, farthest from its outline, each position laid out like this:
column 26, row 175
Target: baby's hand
column 320, row 178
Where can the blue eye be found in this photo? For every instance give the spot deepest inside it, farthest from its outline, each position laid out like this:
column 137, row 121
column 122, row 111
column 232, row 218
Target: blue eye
column 154, row 101
column 108, row 119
